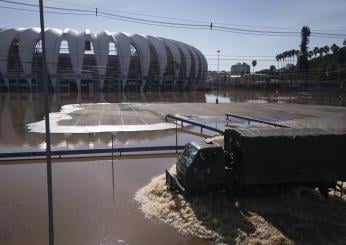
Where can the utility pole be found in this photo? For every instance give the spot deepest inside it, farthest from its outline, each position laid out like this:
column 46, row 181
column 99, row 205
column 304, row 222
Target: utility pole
column 46, row 116
column 218, row 78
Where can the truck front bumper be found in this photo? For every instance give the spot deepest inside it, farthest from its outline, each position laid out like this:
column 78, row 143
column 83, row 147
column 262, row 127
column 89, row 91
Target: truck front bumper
column 173, row 183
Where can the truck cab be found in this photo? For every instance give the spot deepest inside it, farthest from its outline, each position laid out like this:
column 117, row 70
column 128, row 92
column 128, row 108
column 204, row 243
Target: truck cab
column 201, row 167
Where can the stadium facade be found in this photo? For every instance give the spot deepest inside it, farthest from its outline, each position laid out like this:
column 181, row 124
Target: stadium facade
column 103, row 61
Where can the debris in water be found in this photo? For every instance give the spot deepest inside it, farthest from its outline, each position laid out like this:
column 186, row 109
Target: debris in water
column 285, row 219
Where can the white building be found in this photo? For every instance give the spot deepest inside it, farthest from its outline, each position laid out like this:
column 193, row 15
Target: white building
column 103, row 61
column 240, row 69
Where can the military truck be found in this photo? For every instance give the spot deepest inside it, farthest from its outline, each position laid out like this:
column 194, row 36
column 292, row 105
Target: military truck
column 259, row 160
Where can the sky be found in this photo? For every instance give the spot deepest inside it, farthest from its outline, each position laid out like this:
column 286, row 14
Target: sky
column 320, row 15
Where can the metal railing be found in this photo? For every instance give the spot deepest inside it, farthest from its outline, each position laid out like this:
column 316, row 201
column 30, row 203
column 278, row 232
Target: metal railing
column 183, row 120
column 250, row 119
column 61, row 153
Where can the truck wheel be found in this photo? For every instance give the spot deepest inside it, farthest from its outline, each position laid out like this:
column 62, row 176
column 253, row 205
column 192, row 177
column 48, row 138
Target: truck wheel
column 323, row 189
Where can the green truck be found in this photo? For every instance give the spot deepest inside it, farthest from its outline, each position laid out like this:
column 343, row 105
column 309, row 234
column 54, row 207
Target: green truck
column 262, row 161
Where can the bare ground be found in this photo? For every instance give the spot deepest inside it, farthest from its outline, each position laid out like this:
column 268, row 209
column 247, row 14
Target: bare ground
column 290, row 218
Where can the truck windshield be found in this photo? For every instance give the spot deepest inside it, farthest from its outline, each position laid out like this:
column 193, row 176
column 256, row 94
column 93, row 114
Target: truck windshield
column 189, row 154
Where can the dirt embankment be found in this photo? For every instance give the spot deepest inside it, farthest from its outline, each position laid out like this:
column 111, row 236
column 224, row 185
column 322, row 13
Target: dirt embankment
column 292, row 218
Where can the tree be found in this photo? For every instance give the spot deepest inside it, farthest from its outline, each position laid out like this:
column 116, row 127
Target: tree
column 277, row 57
column 344, row 43
column 303, row 60
column 297, row 54
column 272, row 69
column 310, row 54
column 326, row 49
column 335, row 48
column 316, row 51
column 284, row 56
column 254, row 63
column 292, row 54
column 321, row 51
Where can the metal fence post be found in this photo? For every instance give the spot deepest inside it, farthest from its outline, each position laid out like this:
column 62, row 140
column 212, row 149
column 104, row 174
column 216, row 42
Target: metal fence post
column 176, row 136
column 113, row 167
column 112, row 148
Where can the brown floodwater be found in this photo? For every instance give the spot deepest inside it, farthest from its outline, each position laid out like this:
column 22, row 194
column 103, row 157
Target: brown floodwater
column 92, row 203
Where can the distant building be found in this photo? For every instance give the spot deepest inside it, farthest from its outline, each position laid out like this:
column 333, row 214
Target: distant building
column 240, row 69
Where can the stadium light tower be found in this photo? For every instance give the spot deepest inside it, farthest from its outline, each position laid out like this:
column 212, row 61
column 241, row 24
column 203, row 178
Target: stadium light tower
column 218, row 78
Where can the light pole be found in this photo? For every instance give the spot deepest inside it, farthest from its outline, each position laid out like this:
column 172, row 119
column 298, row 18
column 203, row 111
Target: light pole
column 218, row 79
column 46, row 117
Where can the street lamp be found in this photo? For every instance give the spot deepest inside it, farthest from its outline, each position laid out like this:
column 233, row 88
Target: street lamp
column 218, row 79
column 47, row 126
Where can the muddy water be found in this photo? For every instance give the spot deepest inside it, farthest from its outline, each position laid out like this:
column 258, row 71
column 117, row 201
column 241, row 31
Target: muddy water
column 92, row 204
column 87, row 210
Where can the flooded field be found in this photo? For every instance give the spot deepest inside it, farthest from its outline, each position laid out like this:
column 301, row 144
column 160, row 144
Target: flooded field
column 93, row 200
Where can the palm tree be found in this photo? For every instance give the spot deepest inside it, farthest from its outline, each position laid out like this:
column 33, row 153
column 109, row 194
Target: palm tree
column 272, row 69
column 277, row 57
column 326, row 49
column 310, row 54
column 289, row 56
column 254, row 63
column 297, row 54
column 321, row 51
column 281, row 58
column 344, row 43
column 316, row 51
column 293, row 53
column 335, row 48
column 303, row 61
column 284, row 56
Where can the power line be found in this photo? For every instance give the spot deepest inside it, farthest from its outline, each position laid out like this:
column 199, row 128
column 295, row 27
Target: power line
column 109, row 15
column 46, row 7
column 152, row 24
column 133, row 13
column 188, row 20
column 47, row 12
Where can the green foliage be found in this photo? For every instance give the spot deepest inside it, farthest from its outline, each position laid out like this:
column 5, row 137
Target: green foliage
column 303, row 58
column 335, row 48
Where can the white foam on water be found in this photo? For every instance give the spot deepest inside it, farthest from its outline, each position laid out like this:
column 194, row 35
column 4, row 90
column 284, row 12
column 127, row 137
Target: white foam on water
column 246, row 220
column 66, row 110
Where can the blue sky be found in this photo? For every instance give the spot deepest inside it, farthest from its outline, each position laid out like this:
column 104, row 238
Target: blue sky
column 325, row 15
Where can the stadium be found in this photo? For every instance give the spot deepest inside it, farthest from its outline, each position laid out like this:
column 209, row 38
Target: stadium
column 94, row 62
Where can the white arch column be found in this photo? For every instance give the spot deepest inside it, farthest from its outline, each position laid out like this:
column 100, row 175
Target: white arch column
column 123, row 85
column 160, row 84
column 57, row 84
column 144, row 82
column 54, row 84
column 7, row 83
column 185, row 84
column 28, row 80
column 102, row 84
column 79, row 86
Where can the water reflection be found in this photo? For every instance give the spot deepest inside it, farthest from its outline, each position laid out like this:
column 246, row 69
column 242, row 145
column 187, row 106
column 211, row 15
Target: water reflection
column 17, row 110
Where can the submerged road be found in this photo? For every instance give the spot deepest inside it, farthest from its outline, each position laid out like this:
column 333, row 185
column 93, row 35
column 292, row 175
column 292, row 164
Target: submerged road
column 118, row 117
